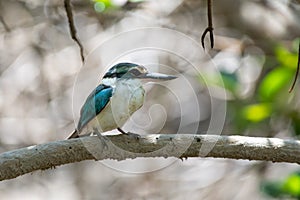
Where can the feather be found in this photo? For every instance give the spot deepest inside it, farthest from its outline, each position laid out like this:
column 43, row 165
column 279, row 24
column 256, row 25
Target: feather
column 94, row 104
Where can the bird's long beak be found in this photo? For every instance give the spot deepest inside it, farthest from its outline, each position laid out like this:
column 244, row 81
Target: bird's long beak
column 158, row 76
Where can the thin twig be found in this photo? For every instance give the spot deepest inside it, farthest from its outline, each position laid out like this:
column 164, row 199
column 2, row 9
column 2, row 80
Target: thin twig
column 73, row 32
column 297, row 71
column 210, row 26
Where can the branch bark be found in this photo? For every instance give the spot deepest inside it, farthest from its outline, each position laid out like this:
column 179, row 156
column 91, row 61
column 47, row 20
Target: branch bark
column 120, row 147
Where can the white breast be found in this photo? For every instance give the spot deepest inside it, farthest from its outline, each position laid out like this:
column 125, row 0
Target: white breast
column 127, row 98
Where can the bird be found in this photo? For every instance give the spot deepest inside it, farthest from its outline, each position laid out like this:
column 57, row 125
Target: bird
column 115, row 99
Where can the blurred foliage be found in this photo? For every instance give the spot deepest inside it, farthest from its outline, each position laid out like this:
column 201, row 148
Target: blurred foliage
column 103, row 5
column 256, row 112
column 288, row 188
column 271, row 99
column 226, row 80
column 274, row 82
column 109, row 5
column 229, row 80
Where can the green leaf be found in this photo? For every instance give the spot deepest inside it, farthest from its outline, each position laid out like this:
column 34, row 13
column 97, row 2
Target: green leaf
column 274, row 82
column 286, row 58
column 102, row 5
column 225, row 80
column 287, row 189
column 257, row 112
column 292, row 185
column 230, row 80
column 273, row 189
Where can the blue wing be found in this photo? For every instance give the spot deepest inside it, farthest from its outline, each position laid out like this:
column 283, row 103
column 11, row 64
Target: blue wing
column 94, row 104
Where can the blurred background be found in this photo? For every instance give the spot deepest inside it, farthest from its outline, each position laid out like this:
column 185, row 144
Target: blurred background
column 238, row 88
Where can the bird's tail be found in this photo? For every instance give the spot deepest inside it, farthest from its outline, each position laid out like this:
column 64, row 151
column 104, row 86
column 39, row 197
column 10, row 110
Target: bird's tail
column 74, row 134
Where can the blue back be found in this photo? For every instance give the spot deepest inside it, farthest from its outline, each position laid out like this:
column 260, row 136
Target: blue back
column 94, row 104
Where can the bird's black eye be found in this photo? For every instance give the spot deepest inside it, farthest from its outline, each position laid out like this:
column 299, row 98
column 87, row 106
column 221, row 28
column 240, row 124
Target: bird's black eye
column 135, row 72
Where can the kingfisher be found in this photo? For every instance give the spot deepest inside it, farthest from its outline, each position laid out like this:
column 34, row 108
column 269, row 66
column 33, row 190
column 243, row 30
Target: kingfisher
column 115, row 99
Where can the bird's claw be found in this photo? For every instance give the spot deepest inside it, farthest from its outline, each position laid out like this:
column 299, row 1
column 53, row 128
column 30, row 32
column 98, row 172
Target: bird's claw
column 133, row 135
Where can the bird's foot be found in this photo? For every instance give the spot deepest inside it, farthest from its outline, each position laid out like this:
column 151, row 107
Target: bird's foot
column 121, row 131
column 132, row 135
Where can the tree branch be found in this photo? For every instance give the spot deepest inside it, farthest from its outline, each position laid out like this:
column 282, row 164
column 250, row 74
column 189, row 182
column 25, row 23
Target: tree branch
column 120, row 147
